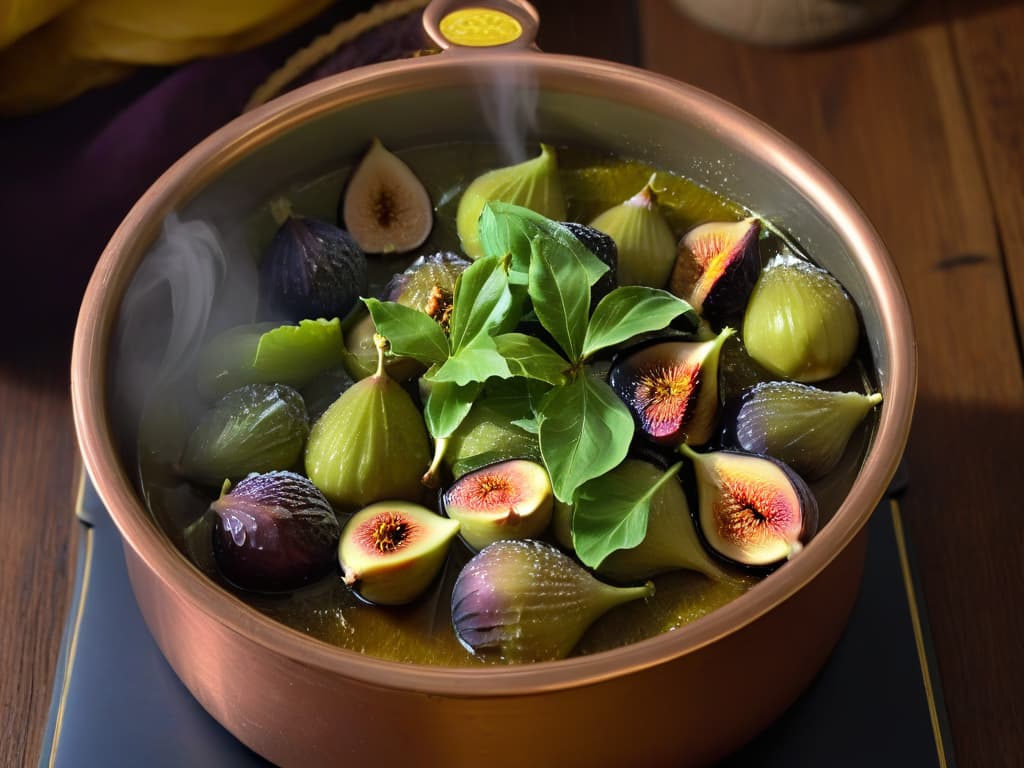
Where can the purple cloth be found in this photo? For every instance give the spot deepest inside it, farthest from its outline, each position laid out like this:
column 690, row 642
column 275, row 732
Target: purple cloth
column 69, row 175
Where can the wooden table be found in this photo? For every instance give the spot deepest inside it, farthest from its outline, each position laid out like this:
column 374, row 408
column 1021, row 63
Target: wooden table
column 922, row 122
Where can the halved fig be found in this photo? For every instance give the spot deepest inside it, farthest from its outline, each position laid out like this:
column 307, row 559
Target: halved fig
column 717, row 265
column 671, row 389
column 671, row 542
column 392, row 550
column 753, row 510
column 385, row 207
column 506, row 500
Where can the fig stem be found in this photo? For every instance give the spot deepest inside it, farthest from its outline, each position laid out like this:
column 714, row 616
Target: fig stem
column 381, row 343
column 429, row 478
column 281, row 209
column 875, row 398
column 646, row 197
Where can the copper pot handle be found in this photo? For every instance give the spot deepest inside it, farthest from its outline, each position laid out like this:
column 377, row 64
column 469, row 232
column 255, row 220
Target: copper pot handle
column 475, row 24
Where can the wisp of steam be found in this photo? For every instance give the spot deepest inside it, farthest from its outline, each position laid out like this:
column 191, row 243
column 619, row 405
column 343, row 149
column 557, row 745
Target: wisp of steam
column 509, row 96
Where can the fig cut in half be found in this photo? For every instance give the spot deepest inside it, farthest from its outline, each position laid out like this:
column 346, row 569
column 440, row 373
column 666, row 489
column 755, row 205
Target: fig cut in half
column 717, row 265
column 753, row 510
column 390, row 552
column 385, row 207
column 671, row 388
column 507, row 500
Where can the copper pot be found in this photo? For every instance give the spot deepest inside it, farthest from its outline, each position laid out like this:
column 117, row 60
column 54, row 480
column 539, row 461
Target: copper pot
column 679, row 698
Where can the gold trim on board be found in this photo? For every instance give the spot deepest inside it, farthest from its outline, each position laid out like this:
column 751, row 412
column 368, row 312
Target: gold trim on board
column 915, row 619
column 76, row 628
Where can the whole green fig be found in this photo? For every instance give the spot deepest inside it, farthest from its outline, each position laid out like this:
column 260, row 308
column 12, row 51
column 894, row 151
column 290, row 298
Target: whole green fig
column 370, row 445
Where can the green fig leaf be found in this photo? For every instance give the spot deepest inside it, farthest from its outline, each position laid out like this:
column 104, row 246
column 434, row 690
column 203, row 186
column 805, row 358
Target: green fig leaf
column 482, row 301
column 631, row 310
column 268, row 353
column 475, row 363
column 531, row 358
column 409, row 332
column 299, row 352
column 516, row 400
column 585, row 430
column 561, row 299
column 447, row 405
column 611, row 512
column 508, row 229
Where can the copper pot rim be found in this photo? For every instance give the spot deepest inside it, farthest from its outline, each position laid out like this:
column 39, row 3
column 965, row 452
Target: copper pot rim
column 646, row 90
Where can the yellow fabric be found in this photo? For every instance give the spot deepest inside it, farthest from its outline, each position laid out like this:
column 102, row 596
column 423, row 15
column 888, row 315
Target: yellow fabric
column 93, row 42
column 20, row 16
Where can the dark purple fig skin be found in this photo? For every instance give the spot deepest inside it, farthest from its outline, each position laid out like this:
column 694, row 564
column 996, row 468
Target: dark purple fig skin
column 732, row 290
column 274, row 532
column 602, row 246
column 312, row 269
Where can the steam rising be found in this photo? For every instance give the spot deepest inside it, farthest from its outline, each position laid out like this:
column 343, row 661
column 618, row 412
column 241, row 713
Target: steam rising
column 184, row 269
column 509, row 96
column 177, row 295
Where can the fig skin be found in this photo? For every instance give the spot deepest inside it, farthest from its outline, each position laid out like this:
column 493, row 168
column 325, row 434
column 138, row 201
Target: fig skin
column 521, row 600
column 255, row 428
column 413, row 286
column 602, row 246
column 484, row 431
column 370, row 445
column 509, row 499
column 645, row 244
column 274, row 532
column 753, row 510
column 312, row 269
column 716, row 266
column 671, row 388
column 805, row 427
column 390, row 552
column 800, row 323
column 533, row 184
column 385, row 206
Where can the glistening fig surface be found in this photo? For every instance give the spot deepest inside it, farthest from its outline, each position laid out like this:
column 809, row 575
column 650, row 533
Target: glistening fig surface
column 602, row 246
column 533, row 184
column 385, row 207
column 391, row 551
column 806, row 427
column 255, row 428
column 506, row 500
column 273, row 532
column 311, row 269
column 754, row 510
column 800, row 324
column 716, row 266
column 646, row 245
column 370, row 445
column 523, row 600
column 671, row 388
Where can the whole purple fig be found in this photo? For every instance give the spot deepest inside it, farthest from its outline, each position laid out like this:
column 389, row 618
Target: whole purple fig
column 274, row 532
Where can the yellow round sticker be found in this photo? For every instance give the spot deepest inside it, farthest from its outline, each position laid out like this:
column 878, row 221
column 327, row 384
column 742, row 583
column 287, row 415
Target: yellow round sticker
column 480, row 27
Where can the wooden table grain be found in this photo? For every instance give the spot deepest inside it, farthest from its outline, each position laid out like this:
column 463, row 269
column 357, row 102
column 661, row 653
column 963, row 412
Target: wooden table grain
column 923, row 121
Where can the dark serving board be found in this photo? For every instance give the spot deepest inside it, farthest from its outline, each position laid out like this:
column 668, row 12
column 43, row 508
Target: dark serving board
column 116, row 702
